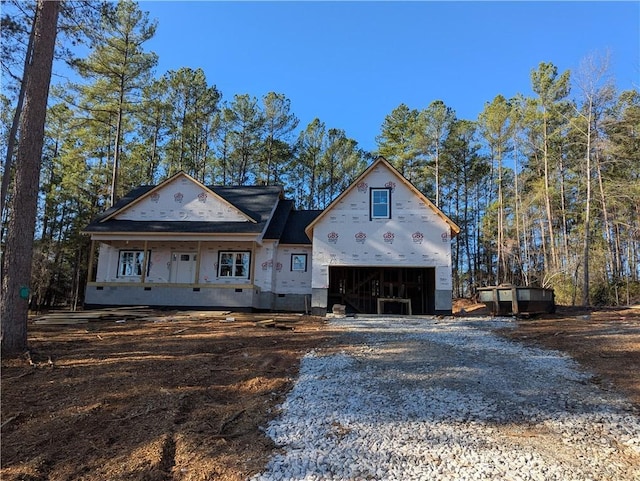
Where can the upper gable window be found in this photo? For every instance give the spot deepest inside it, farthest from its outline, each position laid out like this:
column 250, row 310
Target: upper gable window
column 380, row 207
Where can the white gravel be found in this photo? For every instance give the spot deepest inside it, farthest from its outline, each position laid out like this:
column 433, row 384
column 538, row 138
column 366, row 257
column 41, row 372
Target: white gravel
column 445, row 399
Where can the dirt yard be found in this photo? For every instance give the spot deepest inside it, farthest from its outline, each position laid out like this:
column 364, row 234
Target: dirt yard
column 605, row 341
column 178, row 398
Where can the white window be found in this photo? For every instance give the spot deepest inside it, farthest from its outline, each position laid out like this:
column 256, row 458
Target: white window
column 130, row 263
column 299, row 262
column 234, row 264
column 380, row 203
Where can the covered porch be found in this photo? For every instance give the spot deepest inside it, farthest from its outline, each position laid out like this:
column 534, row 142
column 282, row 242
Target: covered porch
column 159, row 272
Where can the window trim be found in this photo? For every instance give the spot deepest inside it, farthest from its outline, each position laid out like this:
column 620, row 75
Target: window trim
column 248, row 265
column 306, row 260
column 145, row 265
column 372, row 190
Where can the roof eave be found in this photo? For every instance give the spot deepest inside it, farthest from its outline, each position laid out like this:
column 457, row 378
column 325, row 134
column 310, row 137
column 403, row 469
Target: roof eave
column 116, row 235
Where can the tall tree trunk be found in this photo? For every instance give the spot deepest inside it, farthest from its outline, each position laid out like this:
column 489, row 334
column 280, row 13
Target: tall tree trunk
column 564, row 257
column 22, row 221
column 516, row 203
column 437, row 174
column 153, row 161
column 543, row 241
column 613, row 256
column 116, row 149
column 8, row 163
column 501, row 270
column 526, row 249
column 547, row 202
column 459, row 260
column 587, row 217
column 467, row 244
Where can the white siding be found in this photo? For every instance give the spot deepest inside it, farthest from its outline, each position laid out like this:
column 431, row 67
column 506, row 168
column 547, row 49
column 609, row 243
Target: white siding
column 265, row 269
column 108, row 258
column 415, row 236
column 106, row 262
column 160, row 267
column 289, row 281
column 210, row 257
column 182, row 199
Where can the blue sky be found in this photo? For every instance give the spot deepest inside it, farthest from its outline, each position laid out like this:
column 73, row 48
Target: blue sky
column 351, row 63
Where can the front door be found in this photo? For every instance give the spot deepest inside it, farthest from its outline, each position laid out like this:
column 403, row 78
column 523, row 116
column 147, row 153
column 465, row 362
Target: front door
column 183, row 267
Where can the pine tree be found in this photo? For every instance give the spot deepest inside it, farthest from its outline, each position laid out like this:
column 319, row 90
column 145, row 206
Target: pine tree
column 192, row 103
column 434, row 124
column 496, row 128
column 306, row 177
column 465, row 170
column 276, row 153
column 340, row 163
column 245, row 138
column 18, row 254
column 597, row 93
column 552, row 90
column 397, row 141
column 119, row 68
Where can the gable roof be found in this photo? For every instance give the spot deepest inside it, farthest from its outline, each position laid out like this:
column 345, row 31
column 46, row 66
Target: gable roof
column 455, row 230
column 279, row 219
column 143, row 192
column 287, row 224
column 256, row 204
column 294, row 230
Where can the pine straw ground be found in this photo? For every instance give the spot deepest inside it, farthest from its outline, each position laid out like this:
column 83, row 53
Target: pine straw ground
column 173, row 398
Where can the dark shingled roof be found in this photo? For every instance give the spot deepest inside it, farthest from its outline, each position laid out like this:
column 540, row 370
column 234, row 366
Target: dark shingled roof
column 294, row 228
column 127, row 199
column 257, row 202
column 185, row 226
column 279, row 219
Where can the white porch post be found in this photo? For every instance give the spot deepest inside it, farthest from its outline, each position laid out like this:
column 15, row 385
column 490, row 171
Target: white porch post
column 198, row 258
column 91, row 260
column 143, row 278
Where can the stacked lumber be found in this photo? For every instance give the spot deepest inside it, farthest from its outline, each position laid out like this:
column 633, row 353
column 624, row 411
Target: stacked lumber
column 187, row 316
column 84, row 317
column 281, row 324
column 124, row 314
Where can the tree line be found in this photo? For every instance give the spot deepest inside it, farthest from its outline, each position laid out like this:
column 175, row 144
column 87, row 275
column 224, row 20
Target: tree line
column 545, row 188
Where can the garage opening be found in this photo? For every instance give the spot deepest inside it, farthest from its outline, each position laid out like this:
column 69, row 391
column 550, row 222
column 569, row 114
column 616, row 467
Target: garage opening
column 388, row 290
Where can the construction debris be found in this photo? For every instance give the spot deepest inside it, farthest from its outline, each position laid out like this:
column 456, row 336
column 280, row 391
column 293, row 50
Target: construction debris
column 266, row 323
column 283, row 324
column 123, row 314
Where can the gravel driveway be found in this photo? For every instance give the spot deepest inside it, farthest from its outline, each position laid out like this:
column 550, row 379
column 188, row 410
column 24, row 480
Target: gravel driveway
column 446, row 399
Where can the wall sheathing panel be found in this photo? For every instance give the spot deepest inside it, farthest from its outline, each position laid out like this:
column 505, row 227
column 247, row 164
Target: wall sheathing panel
column 181, row 200
column 414, row 236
